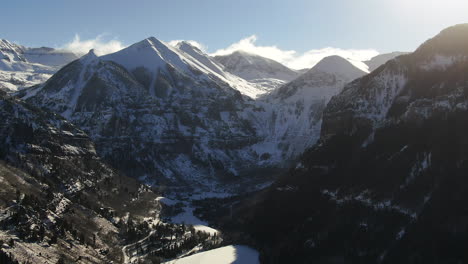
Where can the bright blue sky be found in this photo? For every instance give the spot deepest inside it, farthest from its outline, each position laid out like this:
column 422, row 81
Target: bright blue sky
column 300, row 25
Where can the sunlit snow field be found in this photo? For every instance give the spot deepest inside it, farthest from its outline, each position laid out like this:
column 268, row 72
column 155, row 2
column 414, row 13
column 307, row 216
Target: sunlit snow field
column 225, row 255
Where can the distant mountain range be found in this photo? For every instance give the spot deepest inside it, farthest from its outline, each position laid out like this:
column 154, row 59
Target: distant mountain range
column 23, row 67
column 183, row 118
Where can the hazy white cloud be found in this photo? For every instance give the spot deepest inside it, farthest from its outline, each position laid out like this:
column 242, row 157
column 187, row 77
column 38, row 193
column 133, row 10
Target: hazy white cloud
column 191, row 42
column 294, row 59
column 248, row 45
column 99, row 44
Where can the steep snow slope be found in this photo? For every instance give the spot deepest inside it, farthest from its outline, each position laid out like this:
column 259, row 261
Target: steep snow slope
column 10, row 51
column 22, row 67
column 205, row 61
column 11, row 81
column 257, row 69
column 200, row 56
column 15, row 57
column 151, row 57
column 12, row 59
column 77, row 79
column 294, row 111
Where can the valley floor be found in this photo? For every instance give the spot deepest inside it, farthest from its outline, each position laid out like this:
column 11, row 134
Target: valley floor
column 234, row 254
column 238, row 254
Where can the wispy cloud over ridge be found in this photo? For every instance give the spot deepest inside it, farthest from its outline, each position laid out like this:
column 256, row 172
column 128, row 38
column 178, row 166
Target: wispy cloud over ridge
column 292, row 58
column 99, row 44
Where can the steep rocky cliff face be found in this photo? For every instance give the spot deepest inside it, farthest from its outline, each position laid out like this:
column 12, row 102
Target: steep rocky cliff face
column 59, row 201
column 386, row 182
column 31, row 137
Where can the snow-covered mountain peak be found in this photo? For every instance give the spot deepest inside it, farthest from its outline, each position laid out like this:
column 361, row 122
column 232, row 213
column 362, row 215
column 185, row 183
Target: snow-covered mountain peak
column 4, row 44
column 186, row 45
column 201, row 58
column 10, row 51
column 193, row 51
column 338, row 66
column 44, row 55
column 16, row 71
column 89, row 57
column 152, row 56
column 148, row 53
column 332, row 71
column 247, row 58
column 155, row 44
column 92, row 52
column 146, row 43
column 256, row 69
column 294, row 117
column 23, row 67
